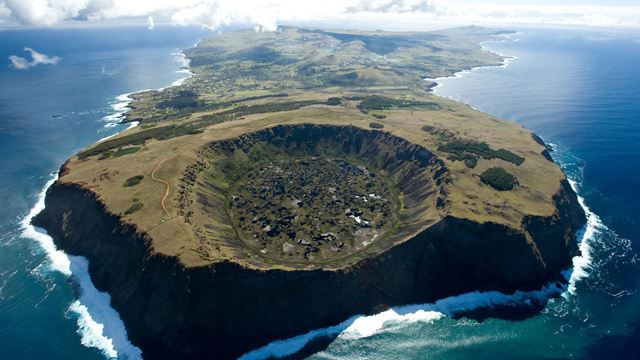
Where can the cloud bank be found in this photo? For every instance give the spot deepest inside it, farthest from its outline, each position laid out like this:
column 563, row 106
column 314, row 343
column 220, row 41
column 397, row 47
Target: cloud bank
column 265, row 14
column 20, row 63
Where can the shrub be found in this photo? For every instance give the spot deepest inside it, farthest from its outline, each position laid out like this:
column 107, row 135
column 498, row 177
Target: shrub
column 334, row 101
column 133, row 208
column 428, row 128
column 133, row 181
column 375, row 125
column 377, row 102
column 469, row 160
column 482, row 149
column 379, row 116
column 499, row 179
column 126, row 151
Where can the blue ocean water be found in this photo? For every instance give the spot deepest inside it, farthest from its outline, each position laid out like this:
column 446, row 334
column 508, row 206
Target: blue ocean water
column 47, row 113
column 577, row 88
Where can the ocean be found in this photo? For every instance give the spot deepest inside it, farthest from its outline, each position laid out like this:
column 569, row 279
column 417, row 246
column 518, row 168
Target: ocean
column 577, row 88
column 48, row 306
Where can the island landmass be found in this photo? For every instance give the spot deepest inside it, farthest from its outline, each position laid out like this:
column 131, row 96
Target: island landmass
column 302, row 176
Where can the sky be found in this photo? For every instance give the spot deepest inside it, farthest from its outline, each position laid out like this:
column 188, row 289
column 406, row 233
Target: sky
column 266, row 14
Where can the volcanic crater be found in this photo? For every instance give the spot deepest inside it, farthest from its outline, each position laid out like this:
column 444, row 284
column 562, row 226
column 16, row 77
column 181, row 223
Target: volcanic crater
column 312, row 194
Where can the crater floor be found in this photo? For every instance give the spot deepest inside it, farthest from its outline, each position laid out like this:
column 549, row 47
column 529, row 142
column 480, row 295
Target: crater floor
column 311, row 208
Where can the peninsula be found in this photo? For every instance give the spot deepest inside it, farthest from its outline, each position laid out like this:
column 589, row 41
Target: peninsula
column 303, row 176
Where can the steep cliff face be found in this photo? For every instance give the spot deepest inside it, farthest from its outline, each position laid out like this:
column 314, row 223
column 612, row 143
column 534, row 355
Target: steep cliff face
column 224, row 310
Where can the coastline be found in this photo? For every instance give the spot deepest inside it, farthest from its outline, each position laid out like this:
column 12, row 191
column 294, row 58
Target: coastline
column 360, row 326
column 506, row 61
column 364, row 326
column 98, row 324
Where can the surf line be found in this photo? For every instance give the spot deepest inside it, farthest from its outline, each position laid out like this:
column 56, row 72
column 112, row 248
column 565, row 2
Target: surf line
column 99, row 325
column 360, row 326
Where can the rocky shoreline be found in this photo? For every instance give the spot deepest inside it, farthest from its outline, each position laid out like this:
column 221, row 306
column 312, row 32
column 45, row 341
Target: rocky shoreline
column 225, row 310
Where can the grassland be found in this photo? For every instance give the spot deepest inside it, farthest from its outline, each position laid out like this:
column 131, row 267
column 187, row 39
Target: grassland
column 246, row 82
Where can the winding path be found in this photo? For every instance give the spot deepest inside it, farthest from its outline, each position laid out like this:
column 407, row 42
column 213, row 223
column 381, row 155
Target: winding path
column 166, row 184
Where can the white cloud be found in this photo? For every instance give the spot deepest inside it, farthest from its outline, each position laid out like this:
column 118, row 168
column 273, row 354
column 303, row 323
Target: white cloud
column 265, row 14
column 150, row 23
column 37, row 58
column 398, row 6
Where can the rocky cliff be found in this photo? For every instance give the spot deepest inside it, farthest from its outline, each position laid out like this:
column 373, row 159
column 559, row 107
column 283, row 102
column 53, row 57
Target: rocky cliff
column 224, row 310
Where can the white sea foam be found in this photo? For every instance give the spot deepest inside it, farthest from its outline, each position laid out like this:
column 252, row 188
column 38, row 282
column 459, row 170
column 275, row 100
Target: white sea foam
column 582, row 262
column 93, row 308
column 121, row 104
column 184, row 62
column 507, row 60
column 120, row 107
column 364, row 326
column 91, row 332
column 58, row 260
column 101, row 326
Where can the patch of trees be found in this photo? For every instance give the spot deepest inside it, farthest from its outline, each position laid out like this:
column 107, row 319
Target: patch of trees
column 378, row 102
column 187, row 101
column 138, row 138
column 499, row 179
column 118, row 153
column 133, row 181
column 245, row 110
column 461, row 149
column 375, row 125
column 171, row 131
column 133, row 208
column 334, row 101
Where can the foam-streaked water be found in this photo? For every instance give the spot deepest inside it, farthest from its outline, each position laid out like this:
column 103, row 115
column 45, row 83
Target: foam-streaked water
column 48, row 305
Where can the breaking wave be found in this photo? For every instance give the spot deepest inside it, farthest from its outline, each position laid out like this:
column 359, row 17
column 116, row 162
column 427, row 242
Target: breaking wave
column 99, row 325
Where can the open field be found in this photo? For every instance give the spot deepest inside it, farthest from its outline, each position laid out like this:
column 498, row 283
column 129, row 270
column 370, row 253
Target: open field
column 204, row 144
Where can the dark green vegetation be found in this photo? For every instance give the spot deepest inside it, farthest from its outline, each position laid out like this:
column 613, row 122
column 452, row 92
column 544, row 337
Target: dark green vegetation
column 378, row 102
column 187, row 101
column 133, row 208
column 194, row 127
column 126, row 151
column 441, row 134
column 333, row 101
column 499, row 179
column 120, row 152
column 466, row 150
column 133, row 181
column 375, row 125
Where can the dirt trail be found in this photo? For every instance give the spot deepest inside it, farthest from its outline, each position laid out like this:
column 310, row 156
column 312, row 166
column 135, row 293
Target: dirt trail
column 166, row 184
